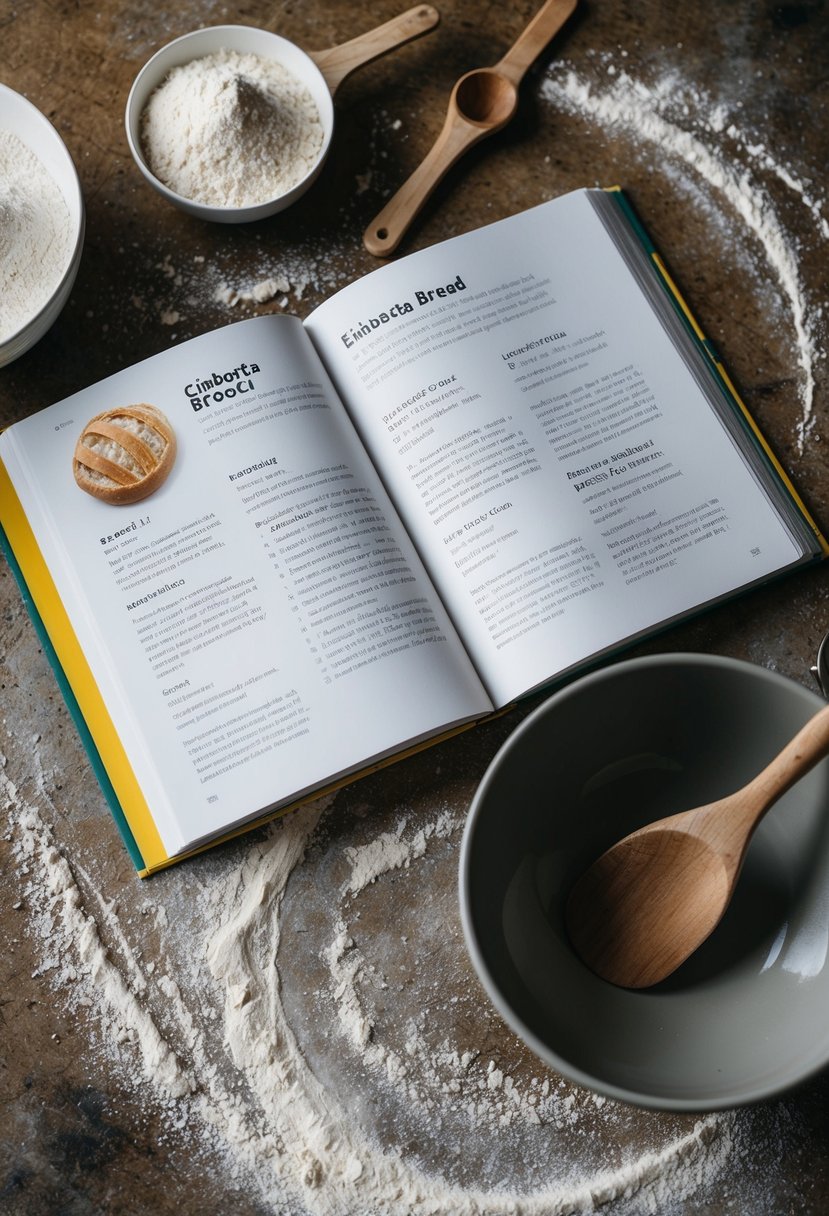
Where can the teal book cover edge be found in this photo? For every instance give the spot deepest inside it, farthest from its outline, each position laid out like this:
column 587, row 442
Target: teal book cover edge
column 73, row 707
column 682, row 310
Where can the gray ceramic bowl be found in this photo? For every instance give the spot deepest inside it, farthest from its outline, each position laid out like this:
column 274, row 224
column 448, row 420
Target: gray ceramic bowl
column 744, row 1018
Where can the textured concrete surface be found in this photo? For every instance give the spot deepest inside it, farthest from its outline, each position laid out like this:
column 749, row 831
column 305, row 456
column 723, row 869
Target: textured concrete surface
column 75, row 1137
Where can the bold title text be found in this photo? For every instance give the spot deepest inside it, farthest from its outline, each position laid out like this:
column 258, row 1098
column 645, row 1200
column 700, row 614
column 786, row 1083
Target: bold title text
column 362, row 328
column 217, row 387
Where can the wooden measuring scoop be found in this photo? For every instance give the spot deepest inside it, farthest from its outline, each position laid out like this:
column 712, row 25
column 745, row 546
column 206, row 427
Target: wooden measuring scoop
column 482, row 102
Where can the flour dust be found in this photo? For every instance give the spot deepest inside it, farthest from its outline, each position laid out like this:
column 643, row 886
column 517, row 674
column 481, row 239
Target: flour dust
column 305, row 1053
column 681, row 128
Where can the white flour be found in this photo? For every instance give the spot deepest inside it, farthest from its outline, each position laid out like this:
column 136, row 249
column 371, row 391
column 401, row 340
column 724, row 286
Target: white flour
column 35, row 235
column 289, row 1136
column 260, row 293
column 231, row 130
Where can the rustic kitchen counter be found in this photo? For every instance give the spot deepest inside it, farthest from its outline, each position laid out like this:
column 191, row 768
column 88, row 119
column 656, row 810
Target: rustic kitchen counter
column 129, row 1078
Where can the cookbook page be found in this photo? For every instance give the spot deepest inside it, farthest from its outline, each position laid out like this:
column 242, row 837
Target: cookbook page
column 547, row 447
column 258, row 622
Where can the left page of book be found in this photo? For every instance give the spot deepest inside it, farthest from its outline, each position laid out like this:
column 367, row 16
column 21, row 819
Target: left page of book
column 259, row 624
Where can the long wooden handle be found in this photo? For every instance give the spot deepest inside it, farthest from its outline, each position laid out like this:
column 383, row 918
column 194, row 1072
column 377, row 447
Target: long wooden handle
column 801, row 754
column 387, row 229
column 531, row 42
column 728, row 824
column 465, row 126
column 340, row 61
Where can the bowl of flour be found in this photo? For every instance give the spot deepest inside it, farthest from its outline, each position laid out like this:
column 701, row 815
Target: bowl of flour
column 41, row 224
column 230, row 123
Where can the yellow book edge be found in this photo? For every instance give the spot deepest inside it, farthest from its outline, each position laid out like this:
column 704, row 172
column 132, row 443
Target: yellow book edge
column 725, row 378
column 69, row 655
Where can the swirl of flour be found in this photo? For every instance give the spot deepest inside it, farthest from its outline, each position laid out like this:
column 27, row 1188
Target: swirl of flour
column 316, row 1146
column 631, row 105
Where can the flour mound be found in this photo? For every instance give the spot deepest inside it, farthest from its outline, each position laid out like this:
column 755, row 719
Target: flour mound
column 35, row 235
column 231, row 130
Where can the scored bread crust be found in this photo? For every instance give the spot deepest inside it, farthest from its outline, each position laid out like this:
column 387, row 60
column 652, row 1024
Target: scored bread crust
column 124, row 454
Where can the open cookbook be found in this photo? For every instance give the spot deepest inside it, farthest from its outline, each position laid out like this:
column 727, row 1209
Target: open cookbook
column 282, row 553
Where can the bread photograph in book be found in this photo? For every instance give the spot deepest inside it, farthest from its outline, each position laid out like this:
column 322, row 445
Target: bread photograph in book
column 124, row 454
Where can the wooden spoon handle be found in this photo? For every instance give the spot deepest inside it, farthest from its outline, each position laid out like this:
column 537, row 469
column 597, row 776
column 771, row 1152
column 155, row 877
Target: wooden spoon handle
column 805, row 750
column 727, row 826
column 387, row 229
column 531, row 42
column 340, row 61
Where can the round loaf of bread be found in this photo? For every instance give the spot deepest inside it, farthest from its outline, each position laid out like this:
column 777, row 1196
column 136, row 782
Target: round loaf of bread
column 124, row 454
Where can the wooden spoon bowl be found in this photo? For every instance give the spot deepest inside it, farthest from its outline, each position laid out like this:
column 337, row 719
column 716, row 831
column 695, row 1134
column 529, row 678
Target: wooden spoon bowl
column 485, row 96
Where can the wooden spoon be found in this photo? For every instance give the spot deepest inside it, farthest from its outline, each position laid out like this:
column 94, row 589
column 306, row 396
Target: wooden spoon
column 338, row 62
column 648, row 902
column 482, row 102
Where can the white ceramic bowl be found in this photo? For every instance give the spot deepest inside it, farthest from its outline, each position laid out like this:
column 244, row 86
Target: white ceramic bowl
column 245, row 40
column 24, row 120
column 746, row 1016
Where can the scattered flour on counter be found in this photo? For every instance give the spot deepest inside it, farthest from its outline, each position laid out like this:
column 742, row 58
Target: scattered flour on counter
column 340, row 1171
column 391, row 850
column 426, row 1074
column 35, row 235
column 285, row 1134
column 259, row 293
column 231, row 130
column 663, row 115
column 180, row 292
column 127, row 1020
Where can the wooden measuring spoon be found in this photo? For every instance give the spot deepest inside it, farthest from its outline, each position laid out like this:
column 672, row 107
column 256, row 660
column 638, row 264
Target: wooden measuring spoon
column 482, row 102
column 340, row 61
column 648, row 902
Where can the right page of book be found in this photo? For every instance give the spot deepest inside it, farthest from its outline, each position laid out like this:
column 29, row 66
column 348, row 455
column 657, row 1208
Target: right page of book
column 549, row 448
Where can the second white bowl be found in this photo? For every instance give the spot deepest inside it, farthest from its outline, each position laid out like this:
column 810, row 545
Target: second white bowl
column 33, row 129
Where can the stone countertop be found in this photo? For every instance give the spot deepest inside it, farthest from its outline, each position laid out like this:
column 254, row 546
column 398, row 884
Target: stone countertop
column 718, row 126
